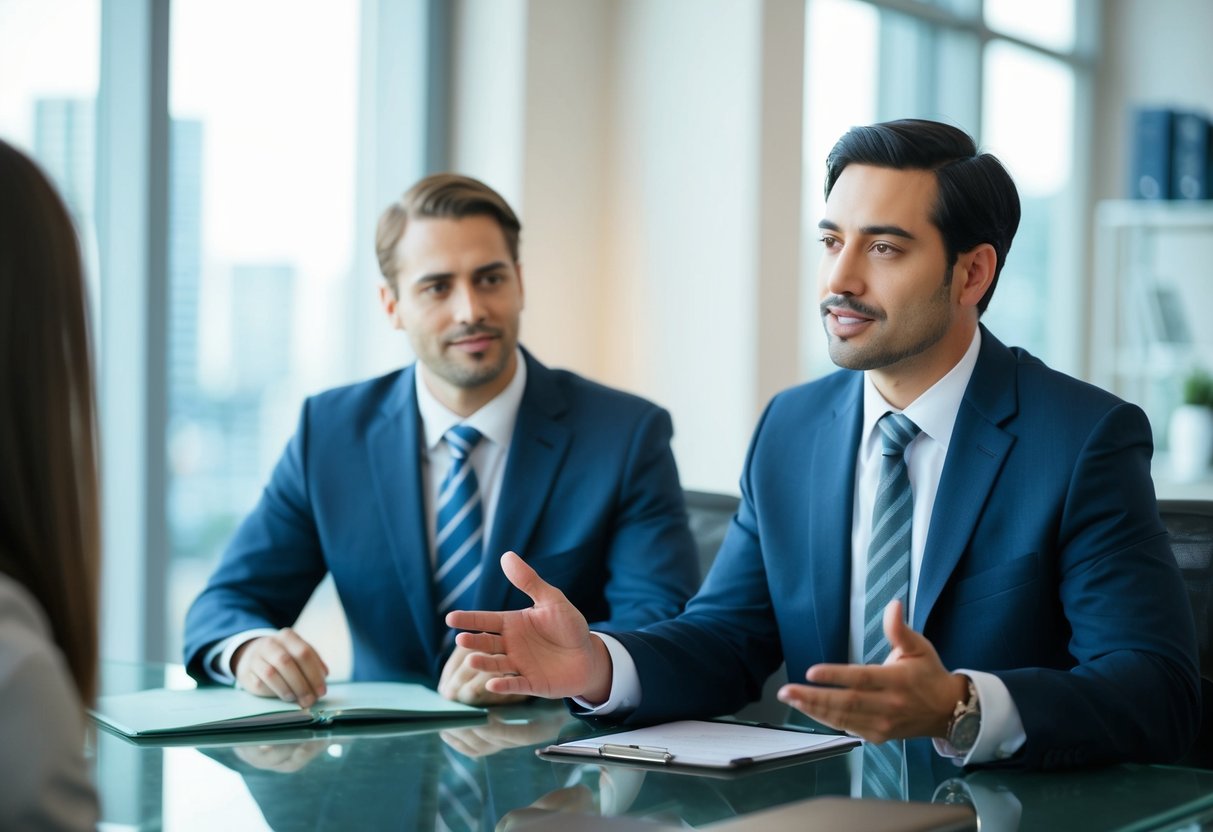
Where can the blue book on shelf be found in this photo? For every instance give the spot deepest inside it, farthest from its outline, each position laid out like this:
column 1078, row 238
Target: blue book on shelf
column 1150, row 159
column 1191, row 156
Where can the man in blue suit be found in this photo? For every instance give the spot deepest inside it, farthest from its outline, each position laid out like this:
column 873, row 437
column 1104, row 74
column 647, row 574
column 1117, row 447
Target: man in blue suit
column 1006, row 507
column 399, row 486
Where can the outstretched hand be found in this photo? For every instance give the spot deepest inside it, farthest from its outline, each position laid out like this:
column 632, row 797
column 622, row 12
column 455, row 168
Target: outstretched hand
column 911, row 695
column 545, row 650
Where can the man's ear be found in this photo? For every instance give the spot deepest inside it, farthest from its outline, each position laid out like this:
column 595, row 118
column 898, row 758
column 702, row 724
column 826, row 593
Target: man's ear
column 521, row 285
column 387, row 298
column 974, row 272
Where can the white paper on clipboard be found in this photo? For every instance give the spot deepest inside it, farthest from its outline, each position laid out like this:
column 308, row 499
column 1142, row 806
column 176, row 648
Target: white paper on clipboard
column 703, row 743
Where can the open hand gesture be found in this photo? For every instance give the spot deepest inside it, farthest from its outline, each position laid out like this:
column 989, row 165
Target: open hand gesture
column 545, row 650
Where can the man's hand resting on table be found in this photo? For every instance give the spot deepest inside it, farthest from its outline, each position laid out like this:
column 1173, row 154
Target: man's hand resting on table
column 281, row 665
column 545, row 650
column 461, row 682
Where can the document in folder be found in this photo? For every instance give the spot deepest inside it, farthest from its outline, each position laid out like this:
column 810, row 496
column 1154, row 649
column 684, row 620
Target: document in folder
column 704, row 744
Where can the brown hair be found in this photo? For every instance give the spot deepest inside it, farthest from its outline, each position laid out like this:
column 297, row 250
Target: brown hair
column 49, row 523
column 442, row 195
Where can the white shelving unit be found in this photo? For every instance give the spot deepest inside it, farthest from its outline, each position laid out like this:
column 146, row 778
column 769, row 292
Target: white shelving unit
column 1152, row 311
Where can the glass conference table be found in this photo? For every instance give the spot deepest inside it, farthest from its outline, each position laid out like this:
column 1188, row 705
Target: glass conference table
column 391, row 776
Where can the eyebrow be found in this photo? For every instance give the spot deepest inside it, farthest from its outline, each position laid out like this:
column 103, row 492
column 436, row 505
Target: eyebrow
column 871, row 230
column 431, row 277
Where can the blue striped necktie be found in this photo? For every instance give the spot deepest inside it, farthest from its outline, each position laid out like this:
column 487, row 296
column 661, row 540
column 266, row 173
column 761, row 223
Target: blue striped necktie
column 460, row 793
column 888, row 578
column 460, row 526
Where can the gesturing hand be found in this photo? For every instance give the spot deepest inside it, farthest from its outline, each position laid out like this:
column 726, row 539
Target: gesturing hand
column 545, row 650
column 910, row 695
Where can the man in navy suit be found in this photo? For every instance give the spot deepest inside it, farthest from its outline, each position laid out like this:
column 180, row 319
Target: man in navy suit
column 1048, row 625
column 399, row 486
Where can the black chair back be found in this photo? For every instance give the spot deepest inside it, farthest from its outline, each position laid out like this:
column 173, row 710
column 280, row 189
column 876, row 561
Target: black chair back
column 709, row 515
column 1190, row 523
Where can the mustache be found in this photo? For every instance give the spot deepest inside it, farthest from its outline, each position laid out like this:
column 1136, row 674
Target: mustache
column 470, row 331
column 835, row 303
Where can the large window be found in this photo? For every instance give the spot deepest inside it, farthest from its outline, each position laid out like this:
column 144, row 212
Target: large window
column 49, row 57
column 261, row 253
column 225, row 163
column 1006, row 71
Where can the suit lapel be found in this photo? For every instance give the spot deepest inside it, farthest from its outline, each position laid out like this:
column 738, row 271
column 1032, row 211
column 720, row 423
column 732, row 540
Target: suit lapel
column 394, row 445
column 835, row 447
column 976, row 454
column 537, row 450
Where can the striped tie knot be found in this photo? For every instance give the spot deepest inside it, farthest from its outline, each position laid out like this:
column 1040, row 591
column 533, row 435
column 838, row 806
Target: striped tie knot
column 898, row 432
column 461, row 439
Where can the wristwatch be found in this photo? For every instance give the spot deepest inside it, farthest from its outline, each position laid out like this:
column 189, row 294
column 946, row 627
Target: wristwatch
column 966, row 721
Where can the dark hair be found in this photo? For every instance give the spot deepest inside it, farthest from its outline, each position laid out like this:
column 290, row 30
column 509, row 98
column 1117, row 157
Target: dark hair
column 444, row 195
column 49, row 526
column 978, row 202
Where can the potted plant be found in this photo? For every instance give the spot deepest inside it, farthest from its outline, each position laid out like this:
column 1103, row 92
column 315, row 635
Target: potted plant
column 1191, row 429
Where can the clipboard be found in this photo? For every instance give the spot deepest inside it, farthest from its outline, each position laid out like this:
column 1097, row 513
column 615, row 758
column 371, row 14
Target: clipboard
column 702, row 745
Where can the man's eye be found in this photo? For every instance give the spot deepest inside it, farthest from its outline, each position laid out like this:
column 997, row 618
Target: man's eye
column 435, row 289
column 883, row 248
column 829, row 242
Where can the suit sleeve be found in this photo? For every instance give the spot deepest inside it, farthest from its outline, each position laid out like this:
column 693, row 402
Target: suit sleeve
column 715, row 657
column 652, row 562
column 269, row 569
column 1134, row 691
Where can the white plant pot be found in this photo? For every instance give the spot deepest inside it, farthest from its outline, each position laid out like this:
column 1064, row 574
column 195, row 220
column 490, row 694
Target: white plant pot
column 1191, row 438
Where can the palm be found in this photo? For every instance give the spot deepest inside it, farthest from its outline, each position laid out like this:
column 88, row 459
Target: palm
column 545, row 650
column 549, row 647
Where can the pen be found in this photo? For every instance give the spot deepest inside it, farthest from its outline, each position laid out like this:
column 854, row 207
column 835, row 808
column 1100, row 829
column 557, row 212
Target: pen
column 635, row 753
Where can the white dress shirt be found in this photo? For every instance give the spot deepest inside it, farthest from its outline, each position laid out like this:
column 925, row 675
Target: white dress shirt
column 935, row 413
column 495, row 421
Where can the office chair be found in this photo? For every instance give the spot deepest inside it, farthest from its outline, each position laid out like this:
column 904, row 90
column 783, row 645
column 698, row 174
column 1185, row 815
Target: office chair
column 709, row 515
column 1190, row 523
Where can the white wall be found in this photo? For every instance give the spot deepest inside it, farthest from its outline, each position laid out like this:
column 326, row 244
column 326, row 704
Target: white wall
column 660, row 193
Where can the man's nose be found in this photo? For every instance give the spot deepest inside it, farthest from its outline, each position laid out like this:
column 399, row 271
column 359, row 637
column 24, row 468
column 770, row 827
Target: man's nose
column 842, row 274
column 467, row 302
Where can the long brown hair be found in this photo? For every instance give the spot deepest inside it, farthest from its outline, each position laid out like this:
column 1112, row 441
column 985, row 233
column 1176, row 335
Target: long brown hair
column 49, row 524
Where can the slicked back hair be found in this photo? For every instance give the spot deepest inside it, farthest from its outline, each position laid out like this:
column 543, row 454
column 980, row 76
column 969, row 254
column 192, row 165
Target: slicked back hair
column 441, row 196
column 977, row 203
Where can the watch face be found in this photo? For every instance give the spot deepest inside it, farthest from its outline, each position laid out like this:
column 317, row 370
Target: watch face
column 964, row 731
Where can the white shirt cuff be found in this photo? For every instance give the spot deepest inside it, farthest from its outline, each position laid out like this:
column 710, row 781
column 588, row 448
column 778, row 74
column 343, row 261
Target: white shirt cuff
column 1001, row 733
column 218, row 660
column 625, row 683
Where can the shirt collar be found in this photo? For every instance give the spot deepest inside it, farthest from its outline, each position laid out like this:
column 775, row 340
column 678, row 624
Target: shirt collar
column 495, row 420
column 935, row 410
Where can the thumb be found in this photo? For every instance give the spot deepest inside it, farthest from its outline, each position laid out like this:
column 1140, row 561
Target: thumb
column 903, row 640
column 521, row 575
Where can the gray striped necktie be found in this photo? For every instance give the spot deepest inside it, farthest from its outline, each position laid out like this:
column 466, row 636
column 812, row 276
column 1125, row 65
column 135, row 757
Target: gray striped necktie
column 888, row 578
column 460, row 527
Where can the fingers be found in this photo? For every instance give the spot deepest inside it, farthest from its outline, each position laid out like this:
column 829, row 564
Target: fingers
column 861, row 713
column 491, row 622
column 521, row 575
column 902, row 638
column 481, row 642
column 465, row 676
column 282, row 665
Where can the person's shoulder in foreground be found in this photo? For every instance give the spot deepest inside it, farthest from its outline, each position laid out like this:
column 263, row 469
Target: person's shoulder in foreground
column 46, row 781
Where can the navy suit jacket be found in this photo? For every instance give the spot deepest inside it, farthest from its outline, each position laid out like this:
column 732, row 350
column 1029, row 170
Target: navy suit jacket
column 590, row 498
column 1046, row 563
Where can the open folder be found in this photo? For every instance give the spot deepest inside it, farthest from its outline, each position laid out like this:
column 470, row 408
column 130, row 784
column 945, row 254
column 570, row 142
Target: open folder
column 168, row 713
column 705, row 744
